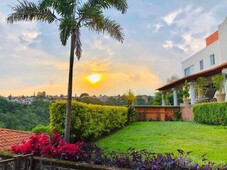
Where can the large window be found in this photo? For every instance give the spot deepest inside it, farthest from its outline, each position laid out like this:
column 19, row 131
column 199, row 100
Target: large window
column 201, row 65
column 212, row 59
column 189, row 70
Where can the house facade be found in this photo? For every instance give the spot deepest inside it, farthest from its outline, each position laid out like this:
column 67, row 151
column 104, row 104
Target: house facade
column 214, row 54
column 210, row 61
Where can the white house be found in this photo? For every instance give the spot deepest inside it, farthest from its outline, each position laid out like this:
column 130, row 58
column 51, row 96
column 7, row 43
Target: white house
column 210, row 61
column 214, row 54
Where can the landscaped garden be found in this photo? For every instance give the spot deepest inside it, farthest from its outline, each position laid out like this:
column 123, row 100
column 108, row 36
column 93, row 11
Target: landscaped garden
column 162, row 137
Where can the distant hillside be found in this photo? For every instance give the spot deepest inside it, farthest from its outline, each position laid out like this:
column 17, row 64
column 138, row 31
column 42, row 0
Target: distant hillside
column 14, row 115
column 114, row 100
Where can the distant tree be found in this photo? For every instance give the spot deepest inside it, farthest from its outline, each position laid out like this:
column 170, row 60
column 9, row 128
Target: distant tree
column 2, row 124
column 172, row 78
column 84, row 95
column 130, row 97
column 41, row 94
column 141, row 101
column 157, row 100
column 10, row 97
column 20, row 116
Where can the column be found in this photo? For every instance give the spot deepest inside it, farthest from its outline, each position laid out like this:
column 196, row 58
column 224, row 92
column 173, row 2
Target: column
column 192, row 93
column 175, row 97
column 163, row 99
column 224, row 72
column 225, row 89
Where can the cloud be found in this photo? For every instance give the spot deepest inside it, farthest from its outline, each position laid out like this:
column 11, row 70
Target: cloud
column 190, row 31
column 29, row 36
column 93, row 65
column 168, row 44
column 156, row 27
column 169, row 18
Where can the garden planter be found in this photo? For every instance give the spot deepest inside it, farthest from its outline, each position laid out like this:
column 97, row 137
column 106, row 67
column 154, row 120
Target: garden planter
column 220, row 97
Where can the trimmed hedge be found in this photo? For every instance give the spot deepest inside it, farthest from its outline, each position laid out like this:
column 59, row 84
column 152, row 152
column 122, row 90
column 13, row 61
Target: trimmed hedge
column 41, row 129
column 211, row 113
column 88, row 121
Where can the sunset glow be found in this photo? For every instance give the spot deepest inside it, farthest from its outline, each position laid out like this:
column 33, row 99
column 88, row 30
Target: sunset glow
column 94, row 78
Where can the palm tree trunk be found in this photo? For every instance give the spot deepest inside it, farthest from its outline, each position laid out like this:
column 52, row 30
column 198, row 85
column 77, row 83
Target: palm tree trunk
column 70, row 83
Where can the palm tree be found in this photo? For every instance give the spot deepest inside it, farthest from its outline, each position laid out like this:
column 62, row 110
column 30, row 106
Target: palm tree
column 71, row 15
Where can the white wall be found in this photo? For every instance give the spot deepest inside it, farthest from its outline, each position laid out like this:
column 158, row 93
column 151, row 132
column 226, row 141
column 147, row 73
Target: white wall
column 222, row 28
column 218, row 48
column 204, row 55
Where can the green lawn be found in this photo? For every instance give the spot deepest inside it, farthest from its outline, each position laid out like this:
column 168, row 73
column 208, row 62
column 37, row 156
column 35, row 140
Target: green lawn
column 161, row 137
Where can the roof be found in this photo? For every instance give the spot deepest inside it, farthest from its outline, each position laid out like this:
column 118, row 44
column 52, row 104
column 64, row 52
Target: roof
column 207, row 73
column 10, row 137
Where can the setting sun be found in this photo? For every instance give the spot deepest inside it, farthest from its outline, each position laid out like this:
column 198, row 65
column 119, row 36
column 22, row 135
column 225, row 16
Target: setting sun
column 94, row 78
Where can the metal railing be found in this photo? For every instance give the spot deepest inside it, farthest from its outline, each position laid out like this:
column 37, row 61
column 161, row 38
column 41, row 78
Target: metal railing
column 18, row 162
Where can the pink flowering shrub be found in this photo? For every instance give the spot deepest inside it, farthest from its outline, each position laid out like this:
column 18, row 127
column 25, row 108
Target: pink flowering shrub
column 49, row 146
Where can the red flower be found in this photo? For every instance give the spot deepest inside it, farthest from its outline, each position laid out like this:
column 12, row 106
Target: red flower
column 42, row 145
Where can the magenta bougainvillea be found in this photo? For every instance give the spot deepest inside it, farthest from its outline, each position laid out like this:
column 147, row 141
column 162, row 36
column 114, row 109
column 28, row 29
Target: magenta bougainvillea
column 49, row 146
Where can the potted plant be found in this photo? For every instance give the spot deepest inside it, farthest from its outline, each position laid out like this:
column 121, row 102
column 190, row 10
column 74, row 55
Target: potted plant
column 186, row 93
column 201, row 89
column 218, row 81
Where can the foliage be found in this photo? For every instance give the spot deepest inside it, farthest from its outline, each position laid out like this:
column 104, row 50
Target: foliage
column 186, row 90
column 172, row 78
column 110, row 101
column 211, row 113
column 20, row 116
column 167, row 137
column 140, row 100
column 84, row 95
column 49, row 146
column 88, row 121
column 143, row 159
column 177, row 114
column 131, row 114
column 157, row 100
column 130, row 97
column 218, row 81
column 201, row 86
column 41, row 129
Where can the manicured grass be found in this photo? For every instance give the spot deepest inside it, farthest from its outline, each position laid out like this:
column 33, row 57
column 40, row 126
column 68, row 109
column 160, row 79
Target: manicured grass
column 162, row 137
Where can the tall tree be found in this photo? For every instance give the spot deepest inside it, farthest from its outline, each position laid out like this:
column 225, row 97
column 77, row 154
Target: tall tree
column 72, row 15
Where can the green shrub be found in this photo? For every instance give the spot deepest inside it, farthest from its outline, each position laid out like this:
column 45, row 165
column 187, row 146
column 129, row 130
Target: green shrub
column 211, row 113
column 177, row 114
column 131, row 116
column 41, row 129
column 88, row 121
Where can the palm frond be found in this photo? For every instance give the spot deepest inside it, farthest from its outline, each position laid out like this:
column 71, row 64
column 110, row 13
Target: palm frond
column 65, row 30
column 120, row 5
column 92, row 16
column 78, row 44
column 28, row 11
column 106, row 25
column 65, row 8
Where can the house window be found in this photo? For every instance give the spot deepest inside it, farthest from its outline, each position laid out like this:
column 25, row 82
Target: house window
column 189, row 70
column 201, row 65
column 212, row 60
